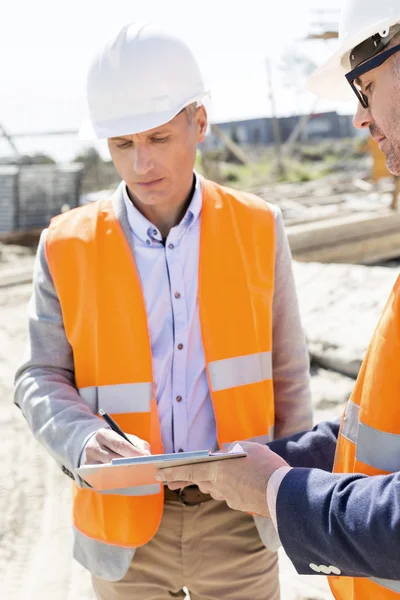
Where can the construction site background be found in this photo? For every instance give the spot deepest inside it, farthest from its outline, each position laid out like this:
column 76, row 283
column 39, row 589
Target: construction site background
column 335, row 210
column 339, row 205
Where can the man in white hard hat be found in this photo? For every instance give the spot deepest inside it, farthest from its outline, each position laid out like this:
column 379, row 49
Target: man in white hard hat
column 347, row 523
column 171, row 306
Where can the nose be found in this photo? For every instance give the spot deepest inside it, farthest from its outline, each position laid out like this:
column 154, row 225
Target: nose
column 363, row 117
column 142, row 162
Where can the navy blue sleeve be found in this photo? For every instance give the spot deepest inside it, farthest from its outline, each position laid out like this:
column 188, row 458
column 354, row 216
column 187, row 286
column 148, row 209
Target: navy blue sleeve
column 350, row 522
column 311, row 449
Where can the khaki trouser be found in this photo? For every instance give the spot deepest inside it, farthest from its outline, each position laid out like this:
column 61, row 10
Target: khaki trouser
column 214, row 551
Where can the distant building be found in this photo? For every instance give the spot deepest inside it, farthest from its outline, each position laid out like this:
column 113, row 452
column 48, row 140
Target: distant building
column 320, row 126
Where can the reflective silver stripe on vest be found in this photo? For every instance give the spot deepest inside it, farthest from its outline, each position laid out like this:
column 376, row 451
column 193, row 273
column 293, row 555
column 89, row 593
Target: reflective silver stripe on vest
column 89, row 396
column 390, row 584
column 350, row 422
column 120, row 398
column 260, row 439
column 139, row 490
column 378, row 449
column 375, row 448
column 240, row 370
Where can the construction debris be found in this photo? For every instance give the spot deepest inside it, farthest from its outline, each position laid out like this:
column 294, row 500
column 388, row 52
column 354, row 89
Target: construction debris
column 339, row 219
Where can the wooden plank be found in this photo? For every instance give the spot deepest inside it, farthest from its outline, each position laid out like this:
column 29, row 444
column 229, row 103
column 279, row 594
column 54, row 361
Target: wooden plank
column 367, row 250
column 311, row 201
column 313, row 217
column 312, row 236
column 21, row 238
column 288, row 204
column 230, row 144
column 15, row 276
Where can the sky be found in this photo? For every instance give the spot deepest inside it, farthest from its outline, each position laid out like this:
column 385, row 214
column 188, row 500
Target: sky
column 46, row 47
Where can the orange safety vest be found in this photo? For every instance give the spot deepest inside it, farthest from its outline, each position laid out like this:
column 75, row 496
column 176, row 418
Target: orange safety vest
column 369, row 438
column 105, row 322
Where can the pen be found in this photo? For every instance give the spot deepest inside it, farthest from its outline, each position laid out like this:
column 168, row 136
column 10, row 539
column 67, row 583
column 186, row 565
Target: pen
column 110, row 421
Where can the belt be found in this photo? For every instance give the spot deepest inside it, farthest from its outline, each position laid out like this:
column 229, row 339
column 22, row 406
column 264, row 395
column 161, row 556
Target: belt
column 190, row 495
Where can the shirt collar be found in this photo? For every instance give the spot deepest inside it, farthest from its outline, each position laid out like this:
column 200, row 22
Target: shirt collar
column 145, row 230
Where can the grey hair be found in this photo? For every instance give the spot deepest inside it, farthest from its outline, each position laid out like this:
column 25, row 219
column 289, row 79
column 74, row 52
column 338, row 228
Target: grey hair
column 395, row 59
column 395, row 39
column 191, row 110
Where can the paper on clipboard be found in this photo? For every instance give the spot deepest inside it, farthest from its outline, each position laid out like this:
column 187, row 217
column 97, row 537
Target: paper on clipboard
column 122, row 474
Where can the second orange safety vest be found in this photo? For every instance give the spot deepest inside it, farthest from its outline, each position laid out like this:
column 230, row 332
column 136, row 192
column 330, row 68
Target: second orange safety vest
column 369, row 438
column 105, row 322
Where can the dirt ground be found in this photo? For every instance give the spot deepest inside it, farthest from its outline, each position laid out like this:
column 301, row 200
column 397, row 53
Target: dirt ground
column 35, row 554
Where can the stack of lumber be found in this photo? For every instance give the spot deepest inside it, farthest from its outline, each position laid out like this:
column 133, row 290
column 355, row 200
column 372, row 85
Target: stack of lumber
column 365, row 238
column 339, row 220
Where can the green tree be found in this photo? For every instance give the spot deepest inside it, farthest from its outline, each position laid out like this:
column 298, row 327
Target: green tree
column 90, row 158
column 39, row 158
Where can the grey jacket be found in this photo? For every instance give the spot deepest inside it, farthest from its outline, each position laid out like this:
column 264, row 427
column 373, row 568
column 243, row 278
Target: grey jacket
column 62, row 422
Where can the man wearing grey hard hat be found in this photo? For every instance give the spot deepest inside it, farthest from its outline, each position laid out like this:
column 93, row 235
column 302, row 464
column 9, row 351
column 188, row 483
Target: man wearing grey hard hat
column 344, row 523
column 172, row 307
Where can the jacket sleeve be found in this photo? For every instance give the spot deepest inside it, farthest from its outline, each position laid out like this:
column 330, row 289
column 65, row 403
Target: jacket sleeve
column 312, row 449
column 45, row 384
column 290, row 360
column 348, row 522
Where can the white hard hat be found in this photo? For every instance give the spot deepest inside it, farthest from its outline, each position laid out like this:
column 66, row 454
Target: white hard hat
column 140, row 80
column 359, row 21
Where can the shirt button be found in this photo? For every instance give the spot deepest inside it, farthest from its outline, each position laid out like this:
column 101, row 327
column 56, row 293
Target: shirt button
column 155, row 231
column 180, row 346
column 177, row 295
column 148, row 242
column 179, row 398
column 171, row 246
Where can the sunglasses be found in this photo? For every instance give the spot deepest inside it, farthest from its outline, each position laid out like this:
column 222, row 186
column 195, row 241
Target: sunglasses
column 368, row 65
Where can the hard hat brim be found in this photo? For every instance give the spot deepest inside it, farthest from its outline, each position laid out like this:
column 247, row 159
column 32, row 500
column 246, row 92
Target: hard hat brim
column 329, row 80
column 90, row 131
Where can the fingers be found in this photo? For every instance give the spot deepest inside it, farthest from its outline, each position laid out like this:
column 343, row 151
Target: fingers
column 112, row 441
column 204, row 487
column 99, row 455
column 140, row 444
column 192, row 473
column 177, row 485
column 215, row 495
column 105, row 445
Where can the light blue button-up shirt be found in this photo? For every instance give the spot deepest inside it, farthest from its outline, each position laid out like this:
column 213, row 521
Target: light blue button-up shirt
column 168, row 274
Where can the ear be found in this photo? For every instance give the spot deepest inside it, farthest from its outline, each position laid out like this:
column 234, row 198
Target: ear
column 201, row 123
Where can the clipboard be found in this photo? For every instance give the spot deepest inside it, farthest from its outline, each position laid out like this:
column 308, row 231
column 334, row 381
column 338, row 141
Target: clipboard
column 122, row 474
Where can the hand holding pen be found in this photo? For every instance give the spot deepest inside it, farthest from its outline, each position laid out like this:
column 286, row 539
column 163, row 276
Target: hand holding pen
column 107, row 444
column 114, row 426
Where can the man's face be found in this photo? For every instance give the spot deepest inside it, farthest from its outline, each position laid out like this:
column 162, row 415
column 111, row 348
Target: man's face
column 382, row 117
column 157, row 165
